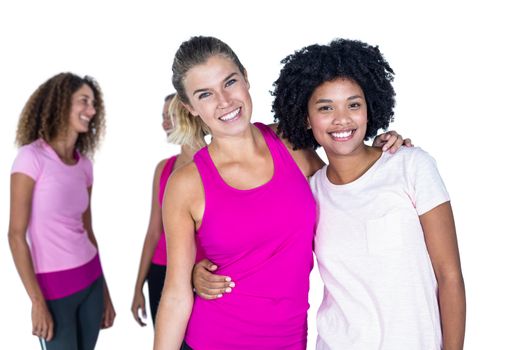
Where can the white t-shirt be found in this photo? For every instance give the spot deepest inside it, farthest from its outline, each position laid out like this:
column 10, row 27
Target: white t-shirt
column 380, row 288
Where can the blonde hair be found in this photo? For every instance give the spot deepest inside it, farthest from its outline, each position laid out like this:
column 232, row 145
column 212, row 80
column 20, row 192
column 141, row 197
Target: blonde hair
column 187, row 129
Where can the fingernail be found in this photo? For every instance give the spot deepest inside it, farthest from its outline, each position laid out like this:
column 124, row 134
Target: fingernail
column 232, row 284
column 228, row 290
column 228, row 279
column 219, row 295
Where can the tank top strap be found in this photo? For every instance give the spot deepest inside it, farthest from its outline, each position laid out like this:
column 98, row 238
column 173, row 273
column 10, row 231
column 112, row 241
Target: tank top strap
column 164, row 176
column 210, row 176
column 281, row 155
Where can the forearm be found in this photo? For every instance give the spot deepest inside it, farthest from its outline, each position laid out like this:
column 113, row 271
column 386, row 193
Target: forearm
column 148, row 250
column 453, row 312
column 172, row 320
column 24, row 265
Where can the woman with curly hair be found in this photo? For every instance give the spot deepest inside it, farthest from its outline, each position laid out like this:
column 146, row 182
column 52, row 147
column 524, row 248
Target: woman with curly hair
column 245, row 202
column 153, row 259
column 50, row 232
column 385, row 241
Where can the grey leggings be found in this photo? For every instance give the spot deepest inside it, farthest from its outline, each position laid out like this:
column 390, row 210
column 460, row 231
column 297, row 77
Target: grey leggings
column 77, row 319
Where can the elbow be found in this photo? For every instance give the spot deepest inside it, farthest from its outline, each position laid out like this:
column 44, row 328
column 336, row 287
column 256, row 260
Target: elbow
column 452, row 282
column 153, row 235
column 16, row 239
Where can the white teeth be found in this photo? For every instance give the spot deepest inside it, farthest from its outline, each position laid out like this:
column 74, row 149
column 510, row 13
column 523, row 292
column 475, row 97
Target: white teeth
column 342, row 134
column 230, row 115
column 84, row 118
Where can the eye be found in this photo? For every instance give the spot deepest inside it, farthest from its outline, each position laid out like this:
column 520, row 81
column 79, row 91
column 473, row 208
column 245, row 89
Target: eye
column 203, row 95
column 325, row 108
column 354, row 105
column 230, row 82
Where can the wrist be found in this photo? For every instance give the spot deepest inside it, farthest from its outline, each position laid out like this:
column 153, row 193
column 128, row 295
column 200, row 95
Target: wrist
column 37, row 299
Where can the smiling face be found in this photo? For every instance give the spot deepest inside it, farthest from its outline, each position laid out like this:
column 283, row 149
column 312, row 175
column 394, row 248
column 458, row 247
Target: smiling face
column 82, row 109
column 218, row 92
column 337, row 115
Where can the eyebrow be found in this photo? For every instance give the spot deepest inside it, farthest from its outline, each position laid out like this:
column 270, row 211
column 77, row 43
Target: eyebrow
column 327, row 100
column 224, row 80
column 88, row 97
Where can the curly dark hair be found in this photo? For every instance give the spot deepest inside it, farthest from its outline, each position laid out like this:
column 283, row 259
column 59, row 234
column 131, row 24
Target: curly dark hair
column 311, row 66
column 46, row 113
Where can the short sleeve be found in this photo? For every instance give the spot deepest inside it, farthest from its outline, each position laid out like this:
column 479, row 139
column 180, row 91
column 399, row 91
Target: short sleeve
column 88, row 168
column 27, row 162
column 429, row 189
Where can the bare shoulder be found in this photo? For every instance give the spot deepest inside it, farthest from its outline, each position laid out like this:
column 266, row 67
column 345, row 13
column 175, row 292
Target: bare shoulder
column 306, row 159
column 186, row 180
column 284, row 140
column 185, row 191
column 273, row 126
column 160, row 166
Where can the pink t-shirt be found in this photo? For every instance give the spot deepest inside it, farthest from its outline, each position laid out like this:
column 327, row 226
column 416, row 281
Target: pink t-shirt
column 262, row 238
column 57, row 239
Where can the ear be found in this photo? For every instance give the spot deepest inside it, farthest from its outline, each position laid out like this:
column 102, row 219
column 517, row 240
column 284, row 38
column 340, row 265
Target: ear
column 190, row 109
column 308, row 125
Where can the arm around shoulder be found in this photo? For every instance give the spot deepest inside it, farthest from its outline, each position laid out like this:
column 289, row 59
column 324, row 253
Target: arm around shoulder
column 306, row 159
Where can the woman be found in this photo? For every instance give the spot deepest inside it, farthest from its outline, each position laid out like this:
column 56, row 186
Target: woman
column 51, row 183
column 153, row 260
column 247, row 198
column 385, row 242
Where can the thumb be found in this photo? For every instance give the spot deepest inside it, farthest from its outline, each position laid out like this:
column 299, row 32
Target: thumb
column 210, row 266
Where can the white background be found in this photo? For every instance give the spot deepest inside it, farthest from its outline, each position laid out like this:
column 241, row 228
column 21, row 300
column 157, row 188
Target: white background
column 460, row 85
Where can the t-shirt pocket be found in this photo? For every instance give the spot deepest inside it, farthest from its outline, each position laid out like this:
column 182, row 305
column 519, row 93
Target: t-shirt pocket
column 385, row 235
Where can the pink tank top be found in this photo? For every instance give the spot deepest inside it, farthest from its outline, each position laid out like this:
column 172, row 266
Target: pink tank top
column 262, row 238
column 159, row 257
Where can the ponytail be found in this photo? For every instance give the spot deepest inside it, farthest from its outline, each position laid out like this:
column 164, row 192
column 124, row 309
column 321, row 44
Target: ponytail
column 187, row 129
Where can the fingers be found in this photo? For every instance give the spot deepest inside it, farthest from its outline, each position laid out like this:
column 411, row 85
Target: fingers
column 138, row 308
column 214, row 279
column 389, row 141
column 203, row 273
column 108, row 317
column 50, row 332
column 42, row 321
column 44, row 330
column 208, row 285
column 393, row 142
column 205, row 264
column 407, row 142
column 214, row 290
column 136, row 311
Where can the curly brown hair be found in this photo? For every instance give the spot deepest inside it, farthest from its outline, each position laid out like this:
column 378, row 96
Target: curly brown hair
column 46, row 113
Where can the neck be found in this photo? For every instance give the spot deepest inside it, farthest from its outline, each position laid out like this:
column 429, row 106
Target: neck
column 64, row 147
column 237, row 147
column 348, row 168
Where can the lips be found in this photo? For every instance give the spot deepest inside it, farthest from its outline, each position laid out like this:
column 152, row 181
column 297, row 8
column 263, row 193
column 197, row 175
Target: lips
column 231, row 116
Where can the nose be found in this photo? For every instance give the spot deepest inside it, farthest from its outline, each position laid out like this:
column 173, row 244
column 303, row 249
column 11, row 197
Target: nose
column 223, row 99
column 91, row 110
column 342, row 117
